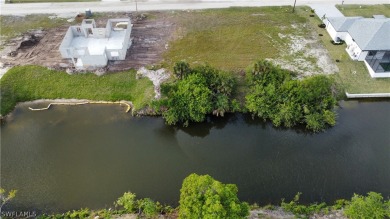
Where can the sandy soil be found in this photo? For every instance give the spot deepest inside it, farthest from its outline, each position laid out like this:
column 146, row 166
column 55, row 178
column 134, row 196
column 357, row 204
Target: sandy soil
column 157, row 77
column 305, row 55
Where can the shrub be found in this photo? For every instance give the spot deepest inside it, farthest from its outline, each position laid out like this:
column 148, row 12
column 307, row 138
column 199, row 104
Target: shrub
column 370, row 206
column 4, row 199
column 341, row 42
column 203, row 90
column 321, row 25
column 297, row 209
column 148, row 207
column 127, row 201
column 204, row 197
column 275, row 95
column 78, row 214
column 339, row 204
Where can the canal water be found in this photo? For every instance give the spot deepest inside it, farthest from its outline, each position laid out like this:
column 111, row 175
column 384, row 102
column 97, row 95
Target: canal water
column 71, row 157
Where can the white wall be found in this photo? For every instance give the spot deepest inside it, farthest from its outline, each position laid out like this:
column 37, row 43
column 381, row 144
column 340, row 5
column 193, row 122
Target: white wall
column 352, row 49
column 99, row 32
column 332, row 32
column 66, row 42
column 108, row 29
column 376, row 75
column 363, row 55
column 94, row 61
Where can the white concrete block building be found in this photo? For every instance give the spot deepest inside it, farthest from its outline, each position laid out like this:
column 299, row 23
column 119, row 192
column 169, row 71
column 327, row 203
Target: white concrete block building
column 91, row 47
column 367, row 39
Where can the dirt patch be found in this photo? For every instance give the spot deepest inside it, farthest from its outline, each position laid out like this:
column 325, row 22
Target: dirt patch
column 150, row 35
column 279, row 213
column 38, row 47
column 150, row 40
column 305, row 54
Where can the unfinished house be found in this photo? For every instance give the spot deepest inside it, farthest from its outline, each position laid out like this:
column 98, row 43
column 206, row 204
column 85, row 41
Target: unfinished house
column 91, row 47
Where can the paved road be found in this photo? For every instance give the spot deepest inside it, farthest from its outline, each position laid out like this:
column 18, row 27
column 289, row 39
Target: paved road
column 146, row 5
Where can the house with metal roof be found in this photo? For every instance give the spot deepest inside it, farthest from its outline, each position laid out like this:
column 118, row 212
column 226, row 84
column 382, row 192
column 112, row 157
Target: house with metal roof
column 89, row 47
column 367, row 39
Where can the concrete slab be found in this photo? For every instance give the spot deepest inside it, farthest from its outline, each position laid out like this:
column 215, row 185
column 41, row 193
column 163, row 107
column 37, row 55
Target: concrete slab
column 116, row 40
column 97, row 46
column 329, row 10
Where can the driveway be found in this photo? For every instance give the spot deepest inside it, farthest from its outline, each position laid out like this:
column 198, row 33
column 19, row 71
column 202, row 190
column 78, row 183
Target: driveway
column 329, row 10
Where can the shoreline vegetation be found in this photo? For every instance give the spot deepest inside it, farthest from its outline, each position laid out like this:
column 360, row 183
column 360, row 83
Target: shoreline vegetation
column 272, row 93
column 201, row 196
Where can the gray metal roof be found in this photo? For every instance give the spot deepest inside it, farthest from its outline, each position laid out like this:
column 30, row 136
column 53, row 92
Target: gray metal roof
column 342, row 24
column 381, row 40
column 371, row 34
column 379, row 16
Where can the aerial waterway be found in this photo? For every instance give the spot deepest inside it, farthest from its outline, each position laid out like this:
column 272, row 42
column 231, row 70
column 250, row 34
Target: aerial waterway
column 69, row 157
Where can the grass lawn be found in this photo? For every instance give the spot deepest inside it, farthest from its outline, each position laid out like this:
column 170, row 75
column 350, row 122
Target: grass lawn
column 12, row 26
column 232, row 38
column 25, row 83
column 364, row 10
column 353, row 75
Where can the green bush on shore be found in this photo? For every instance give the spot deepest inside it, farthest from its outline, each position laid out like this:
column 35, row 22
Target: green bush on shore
column 276, row 95
column 205, row 197
column 197, row 92
column 370, row 206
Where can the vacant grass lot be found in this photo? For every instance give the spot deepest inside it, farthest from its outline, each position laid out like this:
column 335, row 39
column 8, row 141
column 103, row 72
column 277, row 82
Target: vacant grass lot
column 12, row 26
column 232, row 38
column 25, row 83
column 353, row 75
column 364, row 10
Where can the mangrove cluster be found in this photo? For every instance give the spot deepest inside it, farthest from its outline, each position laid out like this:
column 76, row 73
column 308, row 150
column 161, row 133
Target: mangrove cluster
column 274, row 94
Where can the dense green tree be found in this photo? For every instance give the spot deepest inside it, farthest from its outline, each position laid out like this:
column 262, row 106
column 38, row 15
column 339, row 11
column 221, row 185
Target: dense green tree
column 370, row 206
column 128, row 202
column 190, row 102
column 204, row 197
column 275, row 95
column 202, row 90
